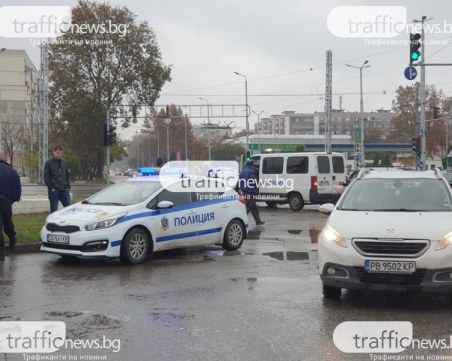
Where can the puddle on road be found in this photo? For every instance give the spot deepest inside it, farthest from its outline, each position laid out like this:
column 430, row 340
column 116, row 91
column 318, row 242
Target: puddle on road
column 288, row 255
column 67, row 314
column 311, row 235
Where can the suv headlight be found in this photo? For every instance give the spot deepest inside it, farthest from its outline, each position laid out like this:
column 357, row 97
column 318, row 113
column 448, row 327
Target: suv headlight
column 104, row 223
column 444, row 242
column 330, row 235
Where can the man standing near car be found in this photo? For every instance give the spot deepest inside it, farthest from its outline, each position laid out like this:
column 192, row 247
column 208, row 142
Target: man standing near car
column 56, row 177
column 10, row 192
column 248, row 184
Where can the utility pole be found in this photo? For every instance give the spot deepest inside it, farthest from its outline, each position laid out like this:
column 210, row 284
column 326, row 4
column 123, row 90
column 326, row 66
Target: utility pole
column 108, row 146
column 422, row 95
column 328, row 99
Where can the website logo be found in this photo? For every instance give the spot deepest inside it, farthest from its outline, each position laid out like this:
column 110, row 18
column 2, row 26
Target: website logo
column 31, row 336
column 34, row 21
column 367, row 21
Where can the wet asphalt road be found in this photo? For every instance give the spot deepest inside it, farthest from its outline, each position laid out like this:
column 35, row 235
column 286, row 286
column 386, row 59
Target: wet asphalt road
column 262, row 302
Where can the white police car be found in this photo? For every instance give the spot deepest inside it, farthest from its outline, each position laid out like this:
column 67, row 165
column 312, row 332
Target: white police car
column 140, row 215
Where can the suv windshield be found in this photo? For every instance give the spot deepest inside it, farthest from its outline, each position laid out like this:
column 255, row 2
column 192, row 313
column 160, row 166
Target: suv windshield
column 397, row 194
column 124, row 193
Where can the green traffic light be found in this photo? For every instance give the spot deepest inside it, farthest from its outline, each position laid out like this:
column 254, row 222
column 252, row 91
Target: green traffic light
column 415, row 55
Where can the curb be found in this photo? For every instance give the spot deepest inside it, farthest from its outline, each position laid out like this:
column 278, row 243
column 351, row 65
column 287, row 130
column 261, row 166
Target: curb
column 24, row 248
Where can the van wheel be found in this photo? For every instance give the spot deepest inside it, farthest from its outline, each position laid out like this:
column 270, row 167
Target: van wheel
column 134, row 246
column 331, row 292
column 296, row 202
column 271, row 204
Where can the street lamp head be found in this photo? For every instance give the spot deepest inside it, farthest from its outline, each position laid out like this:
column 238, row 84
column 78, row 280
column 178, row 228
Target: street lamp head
column 366, row 62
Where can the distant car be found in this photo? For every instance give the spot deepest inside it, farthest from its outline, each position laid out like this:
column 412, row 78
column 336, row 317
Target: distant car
column 138, row 216
column 390, row 230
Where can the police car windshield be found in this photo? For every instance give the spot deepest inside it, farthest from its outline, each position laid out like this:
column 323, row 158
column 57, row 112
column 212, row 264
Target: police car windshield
column 125, row 193
column 397, row 195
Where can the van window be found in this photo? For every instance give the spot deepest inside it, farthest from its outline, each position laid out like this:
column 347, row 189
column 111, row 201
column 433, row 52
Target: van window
column 297, row 165
column 273, row 165
column 323, row 163
column 338, row 164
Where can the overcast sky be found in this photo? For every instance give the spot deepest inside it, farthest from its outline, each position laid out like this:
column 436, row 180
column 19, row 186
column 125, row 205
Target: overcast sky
column 280, row 46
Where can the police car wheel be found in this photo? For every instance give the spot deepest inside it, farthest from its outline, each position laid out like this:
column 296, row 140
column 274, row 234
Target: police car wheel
column 233, row 235
column 296, row 202
column 134, row 247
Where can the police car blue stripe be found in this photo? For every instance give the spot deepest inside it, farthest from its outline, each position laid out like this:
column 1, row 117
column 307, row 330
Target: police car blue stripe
column 175, row 209
column 115, row 243
column 188, row 234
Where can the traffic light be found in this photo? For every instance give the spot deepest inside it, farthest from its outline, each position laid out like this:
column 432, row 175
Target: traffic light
column 416, row 146
column 435, row 112
column 109, row 137
column 105, row 135
column 415, row 44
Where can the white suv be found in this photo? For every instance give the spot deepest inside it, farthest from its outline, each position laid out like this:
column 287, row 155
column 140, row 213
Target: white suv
column 390, row 230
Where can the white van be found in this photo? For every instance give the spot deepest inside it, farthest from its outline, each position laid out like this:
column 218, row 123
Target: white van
column 299, row 178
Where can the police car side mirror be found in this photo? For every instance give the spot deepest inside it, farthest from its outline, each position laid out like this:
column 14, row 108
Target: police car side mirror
column 165, row 204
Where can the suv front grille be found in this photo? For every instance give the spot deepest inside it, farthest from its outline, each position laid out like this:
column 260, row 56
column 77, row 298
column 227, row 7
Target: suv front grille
column 390, row 278
column 53, row 227
column 391, row 248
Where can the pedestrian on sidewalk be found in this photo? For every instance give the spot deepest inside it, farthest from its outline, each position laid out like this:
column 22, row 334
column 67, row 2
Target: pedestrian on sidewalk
column 56, row 177
column 10, row 192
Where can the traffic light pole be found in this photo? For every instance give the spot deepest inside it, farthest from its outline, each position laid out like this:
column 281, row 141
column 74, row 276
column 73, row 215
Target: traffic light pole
column 108, row 147
column 422, row 96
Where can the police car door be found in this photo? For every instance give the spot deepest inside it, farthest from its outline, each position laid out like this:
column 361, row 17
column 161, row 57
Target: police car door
column 212, row 214
column 176, row 226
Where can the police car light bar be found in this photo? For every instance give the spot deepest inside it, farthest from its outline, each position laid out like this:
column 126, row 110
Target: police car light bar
column 148, row 171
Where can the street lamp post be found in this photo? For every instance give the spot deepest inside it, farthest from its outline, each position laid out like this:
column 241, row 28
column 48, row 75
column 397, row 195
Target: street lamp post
column 208, row 128
column 185, row 136
column 247, row 112
column 259, row 126
column 363, row 159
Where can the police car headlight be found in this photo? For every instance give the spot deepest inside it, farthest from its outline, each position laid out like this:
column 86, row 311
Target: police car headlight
column 104, row 223
column 330, row 235
column 445, row 241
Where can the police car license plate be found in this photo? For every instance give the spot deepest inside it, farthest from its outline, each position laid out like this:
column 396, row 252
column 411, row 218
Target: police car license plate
column 377, row 266
column 58, row 238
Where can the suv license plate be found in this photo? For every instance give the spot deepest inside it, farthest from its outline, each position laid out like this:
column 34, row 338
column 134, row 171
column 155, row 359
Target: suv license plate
column 58, row 238
column 389, row 266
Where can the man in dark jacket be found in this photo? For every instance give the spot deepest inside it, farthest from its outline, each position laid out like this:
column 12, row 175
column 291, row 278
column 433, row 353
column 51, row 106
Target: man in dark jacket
column 249, row 185
column 10, row 192
column 56, row 177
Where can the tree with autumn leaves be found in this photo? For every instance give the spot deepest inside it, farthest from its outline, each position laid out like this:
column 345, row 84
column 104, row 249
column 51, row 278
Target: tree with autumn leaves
column 93, row 72
column 405, row 125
